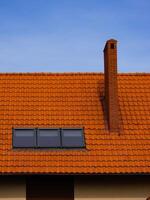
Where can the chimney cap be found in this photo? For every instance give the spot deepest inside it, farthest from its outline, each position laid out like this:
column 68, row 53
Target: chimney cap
column 110, row 41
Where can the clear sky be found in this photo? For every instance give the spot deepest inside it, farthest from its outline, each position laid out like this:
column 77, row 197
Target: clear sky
column 69, row 35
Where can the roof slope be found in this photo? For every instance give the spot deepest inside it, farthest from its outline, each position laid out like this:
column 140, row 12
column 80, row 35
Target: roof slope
column 75, row 100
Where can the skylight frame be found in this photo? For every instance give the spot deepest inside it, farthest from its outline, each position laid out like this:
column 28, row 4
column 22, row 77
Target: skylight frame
column 60, row 131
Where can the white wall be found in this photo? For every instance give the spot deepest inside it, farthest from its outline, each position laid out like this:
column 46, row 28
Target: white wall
column 12, row 188
column 112, row 188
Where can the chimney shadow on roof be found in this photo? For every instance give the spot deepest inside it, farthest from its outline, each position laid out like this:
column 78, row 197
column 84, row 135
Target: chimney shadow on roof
column 102, row 99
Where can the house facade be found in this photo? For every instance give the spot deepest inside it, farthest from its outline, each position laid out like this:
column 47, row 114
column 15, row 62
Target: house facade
column 75, row 135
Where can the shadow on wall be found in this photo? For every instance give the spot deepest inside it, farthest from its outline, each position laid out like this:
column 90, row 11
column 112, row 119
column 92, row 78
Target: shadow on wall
column 12, row 187
column 113, row 187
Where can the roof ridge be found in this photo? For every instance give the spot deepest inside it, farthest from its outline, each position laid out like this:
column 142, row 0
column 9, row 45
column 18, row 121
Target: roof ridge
column 51, row 73
column 73, row 73
column 134, row 73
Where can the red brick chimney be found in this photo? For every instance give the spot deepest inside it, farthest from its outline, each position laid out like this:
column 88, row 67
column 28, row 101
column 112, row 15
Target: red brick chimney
column 111, row 89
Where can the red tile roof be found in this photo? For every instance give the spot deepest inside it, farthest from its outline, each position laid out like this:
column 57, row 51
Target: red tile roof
column 75, row 100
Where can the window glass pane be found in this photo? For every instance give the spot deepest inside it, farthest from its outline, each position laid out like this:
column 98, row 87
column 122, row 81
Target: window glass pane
column 24, row 138
column 73, row 133
column 48, row 138
column 23, row 133
column 72, row 138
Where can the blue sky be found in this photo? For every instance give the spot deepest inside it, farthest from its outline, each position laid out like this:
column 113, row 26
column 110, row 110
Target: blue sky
column 69, row 35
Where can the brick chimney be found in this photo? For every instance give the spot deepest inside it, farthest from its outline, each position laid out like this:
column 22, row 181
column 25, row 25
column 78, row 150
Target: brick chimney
column 111, row 89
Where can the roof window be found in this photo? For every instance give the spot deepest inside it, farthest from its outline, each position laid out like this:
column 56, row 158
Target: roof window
column 24, row 138
column 72, row 138
column 48, row 138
